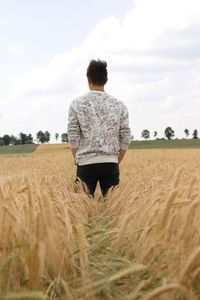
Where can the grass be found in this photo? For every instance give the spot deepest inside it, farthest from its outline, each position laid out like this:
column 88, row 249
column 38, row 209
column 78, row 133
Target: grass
column 165, row 144
column 18, row 149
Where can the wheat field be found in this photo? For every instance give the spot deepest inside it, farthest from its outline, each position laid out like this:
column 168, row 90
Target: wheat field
column 141, row 242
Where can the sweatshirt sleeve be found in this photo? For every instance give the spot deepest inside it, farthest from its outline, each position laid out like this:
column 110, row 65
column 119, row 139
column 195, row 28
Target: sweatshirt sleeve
column 73, row 128
column 125, row 132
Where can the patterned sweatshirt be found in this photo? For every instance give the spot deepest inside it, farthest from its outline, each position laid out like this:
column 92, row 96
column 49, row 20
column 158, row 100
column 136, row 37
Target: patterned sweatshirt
column 98, row 126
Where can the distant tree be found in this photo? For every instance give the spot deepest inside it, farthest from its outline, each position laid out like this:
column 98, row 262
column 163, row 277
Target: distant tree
column 23, row 138
column 29, row 139
column 155, row 133
column 146, row 134
column 186, row 132
column 47, row 136
column 195, row 134
column 169, row 133
column 64, row 138
column 6, row 140
column 1, row 141
column 56, row 136
column 14, row 140
column 40, row 136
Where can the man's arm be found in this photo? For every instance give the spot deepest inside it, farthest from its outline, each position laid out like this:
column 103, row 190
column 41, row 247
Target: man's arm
column 124, row 133
column 73, row 131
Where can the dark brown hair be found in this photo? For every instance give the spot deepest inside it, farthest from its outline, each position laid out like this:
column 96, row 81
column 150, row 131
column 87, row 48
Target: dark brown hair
column 97, row 72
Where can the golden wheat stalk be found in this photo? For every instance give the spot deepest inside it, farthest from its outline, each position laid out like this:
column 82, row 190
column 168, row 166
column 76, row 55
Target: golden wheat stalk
column 188, row 220
column 68, row 291
column 167, row 208
column 165, row 289
column 131, row 270
column 191, row 186
column 136, row 268
column 83, row 246
column 144, row 284
column 177, row 177
column 189, row 266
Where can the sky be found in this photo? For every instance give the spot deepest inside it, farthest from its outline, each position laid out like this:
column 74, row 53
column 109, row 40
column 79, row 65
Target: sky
column 152, row 48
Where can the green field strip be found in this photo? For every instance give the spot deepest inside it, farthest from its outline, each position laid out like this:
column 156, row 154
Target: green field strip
column 151, row 144
column 165, row 144
column 18, row 149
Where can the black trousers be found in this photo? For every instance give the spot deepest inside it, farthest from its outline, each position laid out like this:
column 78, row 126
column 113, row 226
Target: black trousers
column 106, row 173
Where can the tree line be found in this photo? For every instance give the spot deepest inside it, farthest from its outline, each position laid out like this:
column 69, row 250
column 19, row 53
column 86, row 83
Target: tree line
column 45, row 137
column 23, row 138
column 169, row 133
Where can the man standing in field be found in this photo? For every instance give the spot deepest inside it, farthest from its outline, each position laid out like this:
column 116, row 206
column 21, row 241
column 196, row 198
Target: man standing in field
column 98, row 131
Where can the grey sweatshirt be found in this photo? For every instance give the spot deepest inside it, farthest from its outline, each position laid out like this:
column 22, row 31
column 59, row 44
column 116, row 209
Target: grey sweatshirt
column 98, row 125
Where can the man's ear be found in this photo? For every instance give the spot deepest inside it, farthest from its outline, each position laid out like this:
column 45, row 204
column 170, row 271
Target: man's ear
column 89, row 80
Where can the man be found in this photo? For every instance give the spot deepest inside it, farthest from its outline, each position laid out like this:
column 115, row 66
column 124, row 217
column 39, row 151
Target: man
column 98, row 132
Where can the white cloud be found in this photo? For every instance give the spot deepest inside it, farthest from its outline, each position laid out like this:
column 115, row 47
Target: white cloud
column 153, row 57
column 17, row 50
column 3, row 21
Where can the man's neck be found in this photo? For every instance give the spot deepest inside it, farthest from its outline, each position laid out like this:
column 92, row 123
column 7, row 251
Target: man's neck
column 99, row 88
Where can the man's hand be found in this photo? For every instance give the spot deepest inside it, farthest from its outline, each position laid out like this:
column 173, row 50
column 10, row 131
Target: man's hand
column 121, row 155
column 74, row 150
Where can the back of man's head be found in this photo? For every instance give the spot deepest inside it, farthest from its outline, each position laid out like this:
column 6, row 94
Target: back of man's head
column 97, row 72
